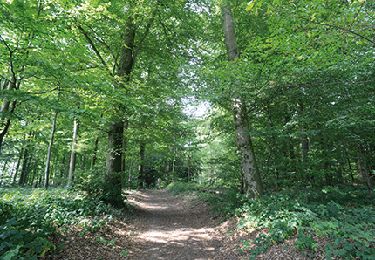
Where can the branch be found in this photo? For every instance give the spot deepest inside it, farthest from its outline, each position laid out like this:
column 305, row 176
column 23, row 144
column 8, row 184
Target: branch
column 100, row 40
column 91, row 42
column 14, row 77
column 5, row 43
column 43, row 92
column 148, row 27
column 165, row 30
column 347, row 31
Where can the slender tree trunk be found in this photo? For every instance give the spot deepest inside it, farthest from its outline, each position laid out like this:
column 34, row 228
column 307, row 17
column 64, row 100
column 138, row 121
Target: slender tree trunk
column 251, row 176
column 39, row 181
column 349, row 165
column 189, row 167
column 25, row 167
column 17, row 166
column 2, row 172
column 124, row 146
column 4, row 110
column 7, row 108
column 305, row 149
column 95, row 153
column 174, row 162
column 35, row 172
column 141, row 176
column 305, row 143
column 47, row 169
column 363, row 168
column 32, row 174
column 73, row 154
column 130, row 174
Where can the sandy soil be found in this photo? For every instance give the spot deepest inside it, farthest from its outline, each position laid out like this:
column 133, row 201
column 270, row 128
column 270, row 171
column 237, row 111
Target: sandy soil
column 171, row 227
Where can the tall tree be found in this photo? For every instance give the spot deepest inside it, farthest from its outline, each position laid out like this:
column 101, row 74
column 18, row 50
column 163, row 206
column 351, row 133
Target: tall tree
column 47, row 170
column 73, row 153
column 251, row 177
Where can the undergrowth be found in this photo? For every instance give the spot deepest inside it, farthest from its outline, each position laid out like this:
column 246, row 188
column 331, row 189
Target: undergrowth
column 182, row 187
column 343, row 218
column 30, row 219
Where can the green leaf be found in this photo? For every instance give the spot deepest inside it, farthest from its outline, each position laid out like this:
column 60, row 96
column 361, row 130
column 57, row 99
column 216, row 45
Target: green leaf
column 250, row 6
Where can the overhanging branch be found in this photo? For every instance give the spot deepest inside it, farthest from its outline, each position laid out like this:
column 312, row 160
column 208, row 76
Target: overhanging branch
column 93, row 47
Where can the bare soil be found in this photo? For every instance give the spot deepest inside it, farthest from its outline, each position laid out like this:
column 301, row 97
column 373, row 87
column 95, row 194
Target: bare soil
column 172, row 227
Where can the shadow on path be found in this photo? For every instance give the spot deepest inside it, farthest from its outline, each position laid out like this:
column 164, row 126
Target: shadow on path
column 171, row 227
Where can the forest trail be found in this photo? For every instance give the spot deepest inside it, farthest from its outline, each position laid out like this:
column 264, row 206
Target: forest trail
column 171, row 227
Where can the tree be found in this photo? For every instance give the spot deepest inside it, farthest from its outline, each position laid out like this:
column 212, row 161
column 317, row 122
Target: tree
column 252, row 181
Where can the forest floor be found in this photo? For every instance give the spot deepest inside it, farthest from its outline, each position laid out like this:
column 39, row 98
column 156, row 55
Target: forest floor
column 159, row 224
column 162, row 226
column 172, row 227
column 165, row 226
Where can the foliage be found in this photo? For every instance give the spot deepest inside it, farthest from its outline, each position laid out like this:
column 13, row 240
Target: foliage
column 224, row 202
column 182, row 187
column 345, row 217
column 31, row 218
column 305, row 76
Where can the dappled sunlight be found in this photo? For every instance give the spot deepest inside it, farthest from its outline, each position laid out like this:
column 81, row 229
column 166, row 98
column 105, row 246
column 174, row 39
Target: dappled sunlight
column 170, row 227
column 173, row 235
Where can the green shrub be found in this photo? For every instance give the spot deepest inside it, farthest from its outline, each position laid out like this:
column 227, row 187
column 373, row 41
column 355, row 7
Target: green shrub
column 182, row 187
column 345, row 218
column 37, row 215
column 91, row 183
column 223, row 202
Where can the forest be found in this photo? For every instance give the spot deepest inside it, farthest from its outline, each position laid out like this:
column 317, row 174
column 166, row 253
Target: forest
column 187, row 129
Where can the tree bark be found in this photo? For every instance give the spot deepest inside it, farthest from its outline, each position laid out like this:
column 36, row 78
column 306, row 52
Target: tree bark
column 49, row 152
column 113, row 185
column 17, row 166
column 6, row 110
column 142, row 152
column 252, row 181
column 2, row 172
column 73, row 154
column 25, row 167
column 124, row 146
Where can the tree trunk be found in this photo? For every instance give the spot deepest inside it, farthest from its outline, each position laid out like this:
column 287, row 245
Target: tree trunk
column 7, row 107
column 252, row 181
column 73, row 154
column 25, row 167
column 17, row 166
column 363, row 168
column 130, row 177
column 34, row 173
column 141, row 176
column 95, row 153
column 124, row 146
column 113, row 185
column 5, row 121
column 49, row 152
column 2, row 172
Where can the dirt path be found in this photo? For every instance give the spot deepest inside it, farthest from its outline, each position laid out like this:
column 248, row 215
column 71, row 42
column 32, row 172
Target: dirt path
column 167, row 227
column 170, row 227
